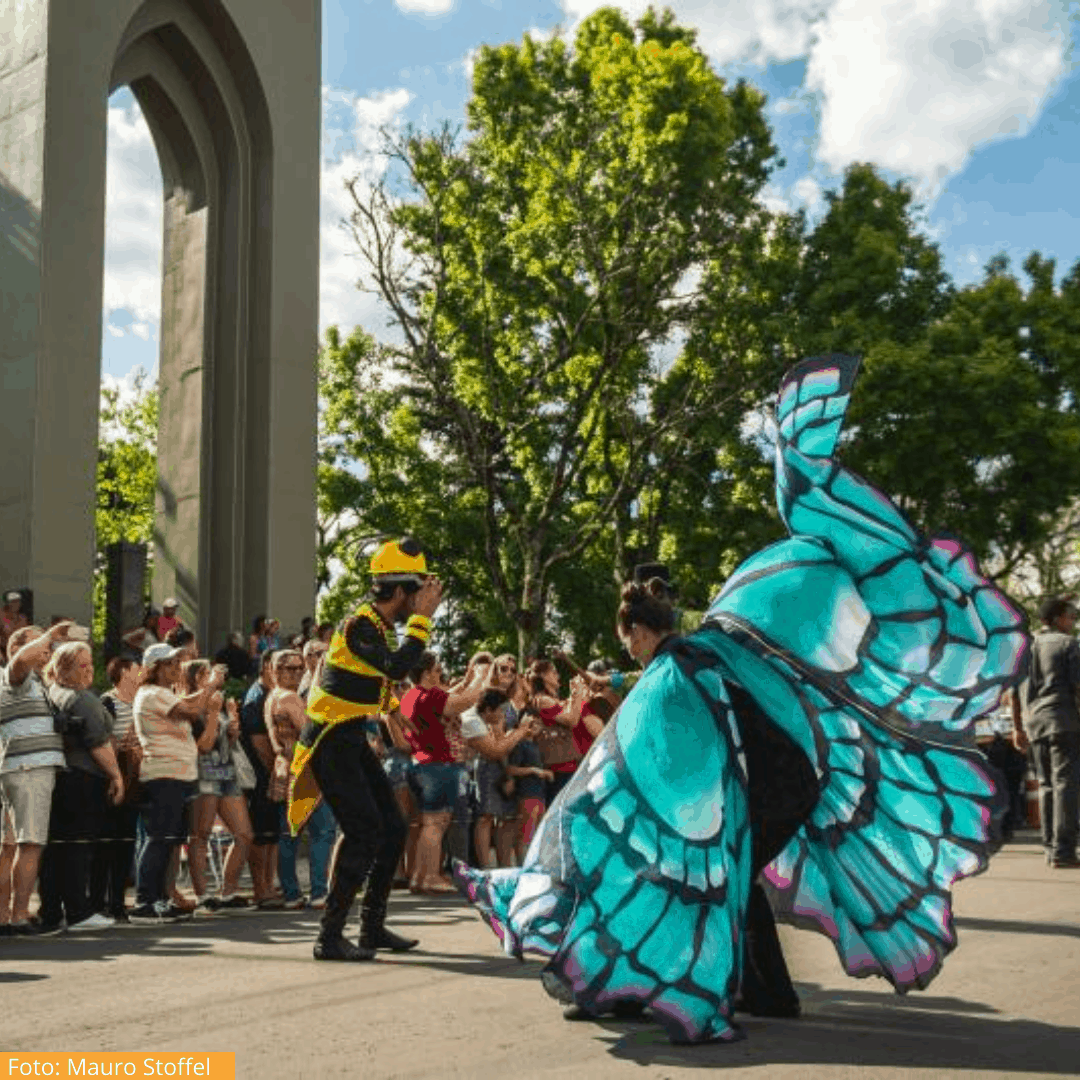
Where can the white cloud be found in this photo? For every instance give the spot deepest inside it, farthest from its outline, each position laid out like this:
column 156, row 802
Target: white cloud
column 541, row 35
column 135, row 380
column 913, row 85
column 774, row 200
column 427, row 7
column 133, row 216
column 788, row 106
column 351, row 140
column 141, row 330
column 732, row 30
column 116, row 331
column 916, row 86
column 470, row 61
column 808, row 194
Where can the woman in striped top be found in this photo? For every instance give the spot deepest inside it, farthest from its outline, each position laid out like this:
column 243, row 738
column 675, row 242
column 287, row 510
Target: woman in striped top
column 114, row 855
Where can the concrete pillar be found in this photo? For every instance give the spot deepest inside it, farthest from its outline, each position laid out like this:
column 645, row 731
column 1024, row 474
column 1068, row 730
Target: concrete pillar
column 52, row 173
column 180, row 423
column 237, row 132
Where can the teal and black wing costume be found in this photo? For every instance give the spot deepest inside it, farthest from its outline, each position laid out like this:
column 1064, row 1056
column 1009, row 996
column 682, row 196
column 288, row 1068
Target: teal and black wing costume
column 873, row 649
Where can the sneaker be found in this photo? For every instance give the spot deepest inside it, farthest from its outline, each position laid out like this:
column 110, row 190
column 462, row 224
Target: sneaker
column 233, row 902
column 171, row 912
column 318, row 902
column 270, row 903
column 145, row 915
column 35, row 928
column 154, row 915
column 97, row 921
column 298, row 903
column 206, row 907
column 1066, row 863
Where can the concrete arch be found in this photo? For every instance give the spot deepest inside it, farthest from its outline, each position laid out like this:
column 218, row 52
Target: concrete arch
column 235, row 528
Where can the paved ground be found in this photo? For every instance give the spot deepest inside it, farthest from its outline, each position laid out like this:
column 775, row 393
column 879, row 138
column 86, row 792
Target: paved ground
column 1007, row 1003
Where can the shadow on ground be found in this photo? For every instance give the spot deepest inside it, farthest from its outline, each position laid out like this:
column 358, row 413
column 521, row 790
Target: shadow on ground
column 198, row 937
column 1011, row 926
column 864, row 1029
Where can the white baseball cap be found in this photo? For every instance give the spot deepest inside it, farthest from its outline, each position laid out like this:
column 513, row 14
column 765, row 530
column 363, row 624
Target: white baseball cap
column 157, row 653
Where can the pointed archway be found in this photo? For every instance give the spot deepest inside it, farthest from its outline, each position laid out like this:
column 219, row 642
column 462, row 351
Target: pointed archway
column 236, row 131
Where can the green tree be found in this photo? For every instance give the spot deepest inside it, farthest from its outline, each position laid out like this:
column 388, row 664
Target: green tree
column 867, row 273
column 126, row 476
column 542, row 274
column 975, row 428
column 863, row 275
column 966, row 411
column 377, row 478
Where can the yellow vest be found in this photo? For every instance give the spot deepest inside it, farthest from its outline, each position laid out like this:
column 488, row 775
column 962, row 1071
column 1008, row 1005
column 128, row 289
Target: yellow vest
column 349, row 688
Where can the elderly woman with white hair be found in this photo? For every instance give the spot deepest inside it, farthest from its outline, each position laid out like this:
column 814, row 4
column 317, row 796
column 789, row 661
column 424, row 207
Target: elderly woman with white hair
column 82, row 792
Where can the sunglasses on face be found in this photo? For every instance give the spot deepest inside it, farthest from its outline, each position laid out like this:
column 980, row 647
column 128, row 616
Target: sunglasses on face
column 506, row 669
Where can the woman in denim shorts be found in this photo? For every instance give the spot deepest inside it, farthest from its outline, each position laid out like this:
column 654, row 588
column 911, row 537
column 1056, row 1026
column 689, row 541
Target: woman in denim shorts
column 218, row 794
column 438, row 781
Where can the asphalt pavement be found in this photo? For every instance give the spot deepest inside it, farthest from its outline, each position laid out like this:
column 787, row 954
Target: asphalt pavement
column 1007, row 1003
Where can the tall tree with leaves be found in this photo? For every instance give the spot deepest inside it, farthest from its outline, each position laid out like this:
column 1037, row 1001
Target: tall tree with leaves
column 126, row 476
column 863, row 274
column 966, row 411
column 541, row 273
column 975, row 428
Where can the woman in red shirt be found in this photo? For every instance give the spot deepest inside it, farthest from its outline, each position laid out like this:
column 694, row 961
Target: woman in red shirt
column 559, row 717
column 438, row 779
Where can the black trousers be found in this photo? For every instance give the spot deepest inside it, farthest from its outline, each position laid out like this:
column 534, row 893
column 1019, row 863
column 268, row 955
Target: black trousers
column 373, row 829
column 165, row 817
column 114, row 858
column 1056, row 759
column 782, row 790
column 76, row 822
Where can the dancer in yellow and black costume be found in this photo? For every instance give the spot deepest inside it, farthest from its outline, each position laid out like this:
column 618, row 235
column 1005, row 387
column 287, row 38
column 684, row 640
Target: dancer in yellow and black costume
column 334, row 760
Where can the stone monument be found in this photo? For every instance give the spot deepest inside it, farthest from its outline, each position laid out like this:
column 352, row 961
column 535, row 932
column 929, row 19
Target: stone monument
column 231, row 93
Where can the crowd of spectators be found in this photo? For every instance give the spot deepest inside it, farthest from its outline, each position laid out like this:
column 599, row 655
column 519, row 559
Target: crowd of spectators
column 184, row 759
column 476, row 761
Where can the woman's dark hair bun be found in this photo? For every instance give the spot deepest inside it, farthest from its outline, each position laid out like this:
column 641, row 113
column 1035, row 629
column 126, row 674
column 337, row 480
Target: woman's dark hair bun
column 648, row 604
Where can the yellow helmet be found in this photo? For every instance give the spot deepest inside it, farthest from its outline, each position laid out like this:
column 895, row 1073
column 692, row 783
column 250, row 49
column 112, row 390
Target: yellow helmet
column 399, row 560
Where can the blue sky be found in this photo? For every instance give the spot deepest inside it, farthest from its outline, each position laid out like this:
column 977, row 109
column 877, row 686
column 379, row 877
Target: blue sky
column 976, row 102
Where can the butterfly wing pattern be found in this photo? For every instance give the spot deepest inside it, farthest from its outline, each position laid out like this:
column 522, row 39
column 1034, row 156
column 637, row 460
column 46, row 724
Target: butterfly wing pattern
column 636, row 883
column 879, row 649
column 874, row 649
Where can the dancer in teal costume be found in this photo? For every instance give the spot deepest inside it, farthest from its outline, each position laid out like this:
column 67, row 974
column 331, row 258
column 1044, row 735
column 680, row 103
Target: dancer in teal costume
column 869, row 648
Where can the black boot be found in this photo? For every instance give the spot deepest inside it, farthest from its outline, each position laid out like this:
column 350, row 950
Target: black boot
column 373, row 932
column 340, row 948
column 332, row 943
column 386, row 939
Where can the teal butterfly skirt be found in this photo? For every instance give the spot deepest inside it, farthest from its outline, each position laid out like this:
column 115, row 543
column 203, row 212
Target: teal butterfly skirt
column 812, row 742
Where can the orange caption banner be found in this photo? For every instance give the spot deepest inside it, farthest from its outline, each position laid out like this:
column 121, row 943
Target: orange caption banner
column 217, row 1066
